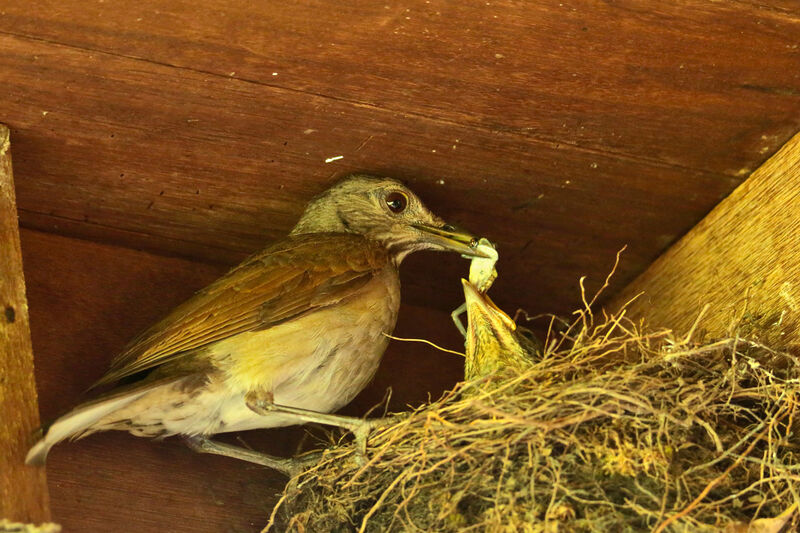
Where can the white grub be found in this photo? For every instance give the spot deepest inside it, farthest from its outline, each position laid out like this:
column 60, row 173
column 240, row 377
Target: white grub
column 481, row 271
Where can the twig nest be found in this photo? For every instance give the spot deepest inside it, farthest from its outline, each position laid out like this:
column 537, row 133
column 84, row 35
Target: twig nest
column 610, row 429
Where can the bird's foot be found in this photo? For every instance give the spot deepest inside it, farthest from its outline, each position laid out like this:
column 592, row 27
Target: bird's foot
column 290, row 466
column 362, row 432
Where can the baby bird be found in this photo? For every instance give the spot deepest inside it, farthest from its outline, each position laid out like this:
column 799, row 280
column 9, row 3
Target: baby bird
column 492, row 340
column 296, row 330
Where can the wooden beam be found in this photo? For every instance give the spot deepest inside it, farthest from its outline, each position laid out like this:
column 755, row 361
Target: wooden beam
column 182, row 163
column 23, row 489
column 663, row 81
column 742, row 261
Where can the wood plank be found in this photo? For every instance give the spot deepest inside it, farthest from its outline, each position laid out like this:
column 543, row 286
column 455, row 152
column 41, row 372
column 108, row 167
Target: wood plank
column 191, row 164
column 86, row 301
column 743, row 260
column 23, row 490
column 708, row 85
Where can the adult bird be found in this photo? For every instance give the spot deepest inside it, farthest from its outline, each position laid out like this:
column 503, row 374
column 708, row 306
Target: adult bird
column 295, row 330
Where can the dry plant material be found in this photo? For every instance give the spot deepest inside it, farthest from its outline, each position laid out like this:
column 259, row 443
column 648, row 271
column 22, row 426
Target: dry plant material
column 7, row 526
column 611, row 429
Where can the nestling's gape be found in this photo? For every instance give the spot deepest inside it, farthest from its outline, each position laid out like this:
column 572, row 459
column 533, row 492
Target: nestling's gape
column 300, row 324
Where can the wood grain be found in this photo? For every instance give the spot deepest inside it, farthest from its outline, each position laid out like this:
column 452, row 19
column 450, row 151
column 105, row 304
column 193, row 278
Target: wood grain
column 23, row 489
column 743, row 260
column 87, row 300
column 184, row 163
column 697, row 84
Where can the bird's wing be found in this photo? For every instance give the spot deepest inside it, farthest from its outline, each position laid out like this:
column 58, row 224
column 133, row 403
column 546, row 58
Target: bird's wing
column 290, row 278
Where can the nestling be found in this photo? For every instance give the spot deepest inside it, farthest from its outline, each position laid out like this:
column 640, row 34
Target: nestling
column 301, row 324
column 493, row 341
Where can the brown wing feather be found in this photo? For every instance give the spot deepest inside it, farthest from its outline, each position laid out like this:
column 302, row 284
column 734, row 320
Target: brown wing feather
column 290, row 278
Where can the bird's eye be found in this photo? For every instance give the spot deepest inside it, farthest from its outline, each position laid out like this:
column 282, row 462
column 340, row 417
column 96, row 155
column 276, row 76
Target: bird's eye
column 396, row 202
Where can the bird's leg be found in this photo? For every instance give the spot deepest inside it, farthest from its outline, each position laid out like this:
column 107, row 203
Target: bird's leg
column 263, row 403
column 288, row 466
column 456, row 316
column 360, row 427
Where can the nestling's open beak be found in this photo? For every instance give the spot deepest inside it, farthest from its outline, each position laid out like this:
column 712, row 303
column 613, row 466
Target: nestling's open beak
column 491, row 342
column 482, row 311
column 451, row 239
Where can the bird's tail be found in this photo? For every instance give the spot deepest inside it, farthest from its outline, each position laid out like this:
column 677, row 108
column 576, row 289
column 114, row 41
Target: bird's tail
column 79, row 422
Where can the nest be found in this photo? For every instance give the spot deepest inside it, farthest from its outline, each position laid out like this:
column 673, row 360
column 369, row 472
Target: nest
column 612, row 428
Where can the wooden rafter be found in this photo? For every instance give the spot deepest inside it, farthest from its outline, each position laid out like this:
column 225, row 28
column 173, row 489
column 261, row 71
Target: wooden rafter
column 742, row 261
column 23, row 489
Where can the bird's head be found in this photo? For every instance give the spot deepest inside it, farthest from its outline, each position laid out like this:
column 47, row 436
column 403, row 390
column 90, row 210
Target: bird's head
column 384, row 210
column 493, row 341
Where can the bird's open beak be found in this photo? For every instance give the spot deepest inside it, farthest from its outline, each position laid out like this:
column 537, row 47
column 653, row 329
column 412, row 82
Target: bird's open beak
column 451, row 239
column 492, row 339
column 481, row 309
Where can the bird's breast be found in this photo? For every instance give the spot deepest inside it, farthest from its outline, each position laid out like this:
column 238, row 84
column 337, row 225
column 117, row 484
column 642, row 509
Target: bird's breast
column 321, row 360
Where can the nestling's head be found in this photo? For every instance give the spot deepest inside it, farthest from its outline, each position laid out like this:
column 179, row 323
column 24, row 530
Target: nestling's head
column 386, row 211
column 493, row 340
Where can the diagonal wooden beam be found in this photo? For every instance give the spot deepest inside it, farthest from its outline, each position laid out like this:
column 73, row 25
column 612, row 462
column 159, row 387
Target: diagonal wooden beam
column 23, row 489
column 742, row 261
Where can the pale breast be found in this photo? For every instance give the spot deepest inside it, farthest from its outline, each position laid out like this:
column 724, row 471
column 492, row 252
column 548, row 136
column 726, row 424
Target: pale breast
column 318, row 362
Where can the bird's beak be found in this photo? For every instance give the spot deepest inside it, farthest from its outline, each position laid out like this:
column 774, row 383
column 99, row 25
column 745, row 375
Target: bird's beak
column 481, row 309
column 492, row 341
column 451, row 239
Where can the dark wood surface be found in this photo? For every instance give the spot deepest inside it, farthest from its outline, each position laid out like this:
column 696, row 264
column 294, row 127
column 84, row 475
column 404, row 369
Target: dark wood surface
column 742, row 261
column 23, row 490
column 692, row 83
column 86, row 301
column 208, row 167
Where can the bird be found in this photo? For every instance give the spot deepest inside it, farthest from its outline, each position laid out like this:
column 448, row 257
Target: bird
column 295, row 331
column 493, row 341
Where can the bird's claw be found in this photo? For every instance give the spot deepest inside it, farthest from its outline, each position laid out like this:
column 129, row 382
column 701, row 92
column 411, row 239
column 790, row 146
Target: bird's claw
column 359, row 427
column 361, row 434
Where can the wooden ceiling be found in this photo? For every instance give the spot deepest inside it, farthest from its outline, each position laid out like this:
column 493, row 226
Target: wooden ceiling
column 562, row 130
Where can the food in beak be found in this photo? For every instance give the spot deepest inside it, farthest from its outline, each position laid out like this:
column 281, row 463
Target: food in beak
column 452, row 239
